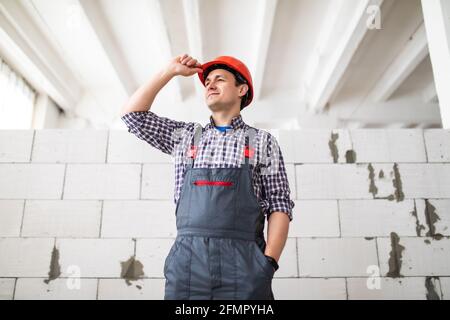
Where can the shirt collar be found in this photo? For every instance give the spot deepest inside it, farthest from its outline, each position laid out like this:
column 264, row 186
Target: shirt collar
column 236, row 123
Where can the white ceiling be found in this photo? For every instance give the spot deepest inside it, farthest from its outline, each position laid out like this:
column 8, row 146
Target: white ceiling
column 314, row 62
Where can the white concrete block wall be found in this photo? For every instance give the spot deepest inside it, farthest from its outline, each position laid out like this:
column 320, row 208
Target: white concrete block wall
column 89, row 214
column 58, row 289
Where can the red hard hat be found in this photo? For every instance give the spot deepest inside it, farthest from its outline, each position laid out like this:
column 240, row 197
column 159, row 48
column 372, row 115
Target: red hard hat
column 234, row 64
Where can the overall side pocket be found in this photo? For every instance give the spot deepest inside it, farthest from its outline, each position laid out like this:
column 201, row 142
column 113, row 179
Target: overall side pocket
column 169, row 257
column 262, row 261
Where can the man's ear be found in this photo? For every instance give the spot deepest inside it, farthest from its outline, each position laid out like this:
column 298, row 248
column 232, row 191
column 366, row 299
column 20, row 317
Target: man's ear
column 243, row 89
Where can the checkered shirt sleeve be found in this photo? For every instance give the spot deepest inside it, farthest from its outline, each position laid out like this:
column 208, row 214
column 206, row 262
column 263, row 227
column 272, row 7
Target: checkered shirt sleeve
column 274, row 180
column 160, row 132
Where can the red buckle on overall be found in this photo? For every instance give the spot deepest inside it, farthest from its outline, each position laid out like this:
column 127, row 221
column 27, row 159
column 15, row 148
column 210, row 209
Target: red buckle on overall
column 193, row 152
column 249, row 152
column 213, row 183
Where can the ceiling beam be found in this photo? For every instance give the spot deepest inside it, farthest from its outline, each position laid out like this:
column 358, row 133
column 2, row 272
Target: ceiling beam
column 266, row 19
column 31, row 54
column 191, row 10
column 331, row 58
column 429, row 94
column 319, row 51
column 413, row 53
column 71, row 33
column 436, row 15
column 112, row 50
column 159, row 23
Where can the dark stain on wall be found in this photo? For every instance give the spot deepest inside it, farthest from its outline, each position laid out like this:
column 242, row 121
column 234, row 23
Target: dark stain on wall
column 132, row 270
column 432, row 217
column 419, row 227
column 397, row 182
column 431, row 290
column 372, row 187
column 333, row 148
column 350, row 156
column 395, row 257
column 55, row 268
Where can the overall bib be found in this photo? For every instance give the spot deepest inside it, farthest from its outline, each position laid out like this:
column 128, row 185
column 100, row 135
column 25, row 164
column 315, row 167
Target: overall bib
column 219, row 249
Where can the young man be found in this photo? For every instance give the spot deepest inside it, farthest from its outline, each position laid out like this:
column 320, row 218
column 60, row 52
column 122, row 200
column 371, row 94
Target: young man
column 229, row 177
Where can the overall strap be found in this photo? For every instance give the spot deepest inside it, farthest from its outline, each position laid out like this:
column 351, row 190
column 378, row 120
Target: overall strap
column 248, row 152
column 193, row 147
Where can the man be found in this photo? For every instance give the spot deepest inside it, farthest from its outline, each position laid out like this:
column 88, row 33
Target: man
column 229, row 177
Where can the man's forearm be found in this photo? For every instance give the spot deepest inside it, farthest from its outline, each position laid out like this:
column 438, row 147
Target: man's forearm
column 143, row 98
column 277, row 232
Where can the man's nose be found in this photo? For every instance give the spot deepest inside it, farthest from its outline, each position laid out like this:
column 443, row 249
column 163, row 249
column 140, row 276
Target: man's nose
column 211, row 85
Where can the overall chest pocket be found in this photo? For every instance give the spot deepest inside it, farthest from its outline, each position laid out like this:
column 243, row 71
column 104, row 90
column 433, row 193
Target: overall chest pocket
column 213, row 199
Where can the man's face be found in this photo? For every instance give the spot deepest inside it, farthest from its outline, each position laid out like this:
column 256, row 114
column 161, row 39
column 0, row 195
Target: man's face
column 221, row 92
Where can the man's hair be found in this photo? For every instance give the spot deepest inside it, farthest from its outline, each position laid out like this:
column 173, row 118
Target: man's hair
column 239, row 79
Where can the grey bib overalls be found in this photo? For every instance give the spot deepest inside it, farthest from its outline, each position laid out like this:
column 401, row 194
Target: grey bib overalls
column 219, row 249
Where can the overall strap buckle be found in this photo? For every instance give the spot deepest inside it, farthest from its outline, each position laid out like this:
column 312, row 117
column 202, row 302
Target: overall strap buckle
column 249, row 153
column 192, row 152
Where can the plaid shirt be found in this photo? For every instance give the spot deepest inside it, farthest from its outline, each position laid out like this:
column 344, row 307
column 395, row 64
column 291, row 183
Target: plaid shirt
column 218, row 149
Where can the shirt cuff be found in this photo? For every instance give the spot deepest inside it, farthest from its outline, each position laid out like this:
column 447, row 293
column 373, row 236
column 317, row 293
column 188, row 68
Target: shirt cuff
column 282, row 206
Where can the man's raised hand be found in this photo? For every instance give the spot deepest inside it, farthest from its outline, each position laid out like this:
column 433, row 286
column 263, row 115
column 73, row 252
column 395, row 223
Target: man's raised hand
column 184, row 65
